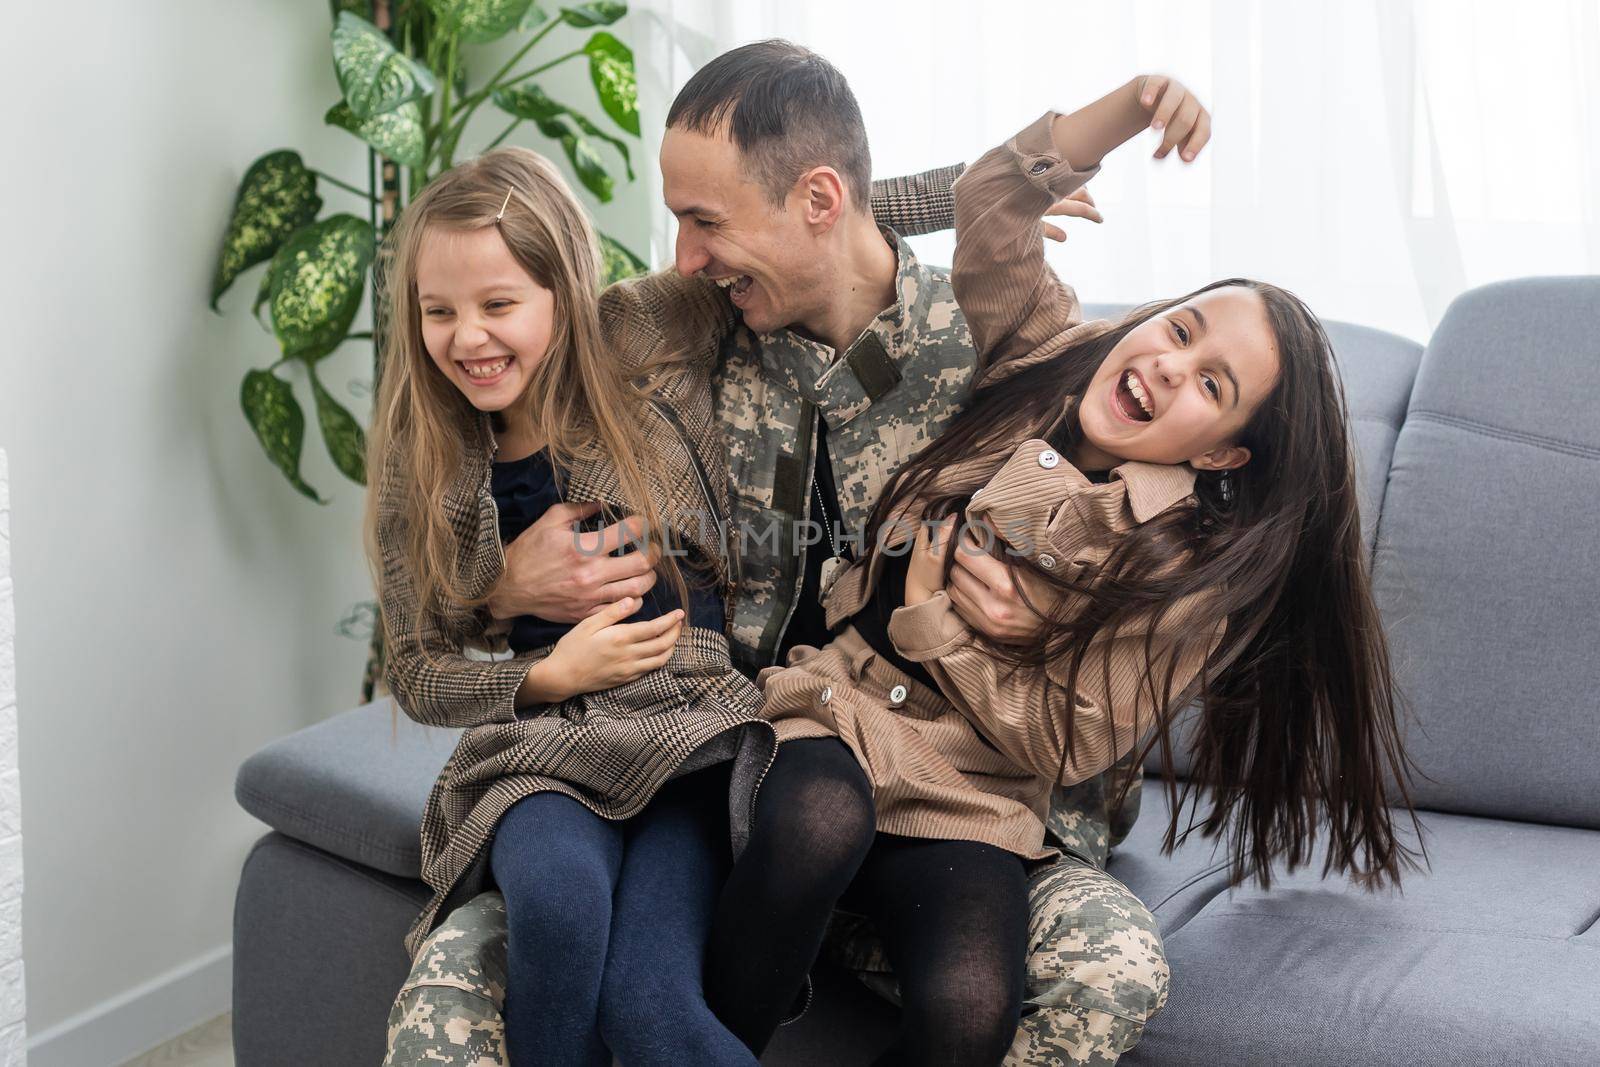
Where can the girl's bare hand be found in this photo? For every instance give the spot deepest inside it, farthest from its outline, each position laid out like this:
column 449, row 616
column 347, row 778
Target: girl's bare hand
column 925, row 572
column 1177, row 114
column 1079, row 205
column 602, row 651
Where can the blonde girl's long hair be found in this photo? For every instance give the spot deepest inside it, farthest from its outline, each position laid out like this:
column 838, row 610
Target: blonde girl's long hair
column 578, row 396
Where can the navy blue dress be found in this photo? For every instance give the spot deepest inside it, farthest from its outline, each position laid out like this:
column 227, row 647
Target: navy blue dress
column 524, row 489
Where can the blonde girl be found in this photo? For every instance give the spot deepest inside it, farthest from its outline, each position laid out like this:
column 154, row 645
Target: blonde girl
column 608, row 764
column 592, row 777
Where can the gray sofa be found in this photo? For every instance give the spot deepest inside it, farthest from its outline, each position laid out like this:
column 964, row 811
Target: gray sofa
column 1480, row 467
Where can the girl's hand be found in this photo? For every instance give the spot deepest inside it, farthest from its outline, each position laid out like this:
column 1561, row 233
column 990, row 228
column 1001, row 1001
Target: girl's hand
column 1079, row 205
column 1176, row 113
column 602, row 651
column 925, row 574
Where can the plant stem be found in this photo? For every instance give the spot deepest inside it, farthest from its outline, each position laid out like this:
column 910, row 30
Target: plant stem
column 451, row 129
column 503, row 134
column 444, row 93
column 525, row 75
column 472, row 100
column 331, row 180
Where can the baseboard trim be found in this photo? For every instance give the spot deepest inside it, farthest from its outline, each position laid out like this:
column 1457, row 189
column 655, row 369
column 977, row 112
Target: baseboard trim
column 129, row 1024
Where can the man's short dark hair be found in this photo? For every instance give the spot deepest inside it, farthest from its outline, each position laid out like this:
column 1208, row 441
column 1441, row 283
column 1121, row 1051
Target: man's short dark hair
column 787, row 109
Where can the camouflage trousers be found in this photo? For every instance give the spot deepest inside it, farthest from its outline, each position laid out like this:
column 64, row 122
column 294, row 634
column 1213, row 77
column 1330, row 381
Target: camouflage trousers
column 1096, row 973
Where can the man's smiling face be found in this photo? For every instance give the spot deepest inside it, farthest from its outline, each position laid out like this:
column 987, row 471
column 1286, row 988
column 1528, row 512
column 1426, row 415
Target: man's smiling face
column 765, row 255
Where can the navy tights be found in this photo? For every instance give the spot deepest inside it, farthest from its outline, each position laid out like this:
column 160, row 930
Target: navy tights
column 607, row 927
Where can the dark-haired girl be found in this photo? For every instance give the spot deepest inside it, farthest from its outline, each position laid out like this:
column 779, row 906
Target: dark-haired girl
column 1173, row 495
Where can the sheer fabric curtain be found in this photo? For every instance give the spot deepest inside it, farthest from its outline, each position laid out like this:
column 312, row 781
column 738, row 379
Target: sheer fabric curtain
column 1377, row 158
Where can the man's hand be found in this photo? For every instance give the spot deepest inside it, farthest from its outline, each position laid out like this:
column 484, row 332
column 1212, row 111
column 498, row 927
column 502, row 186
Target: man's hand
column 985, row 596
column 1077, row 205
column 560, row 574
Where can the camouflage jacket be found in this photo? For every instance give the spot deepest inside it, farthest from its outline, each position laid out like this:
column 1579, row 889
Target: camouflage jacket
column 883, row 399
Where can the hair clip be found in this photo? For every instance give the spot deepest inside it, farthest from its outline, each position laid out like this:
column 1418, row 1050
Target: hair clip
column 503, row 204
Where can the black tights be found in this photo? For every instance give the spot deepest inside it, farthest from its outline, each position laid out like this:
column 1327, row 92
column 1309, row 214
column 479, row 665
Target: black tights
column 954, row 919
column 813, row 825
column 953, row 914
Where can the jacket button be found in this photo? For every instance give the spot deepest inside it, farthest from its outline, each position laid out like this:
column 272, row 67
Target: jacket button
column 1048, row 459
column 1047, row 561
column 897, row 696
column 826, row 694
column 1039, row 167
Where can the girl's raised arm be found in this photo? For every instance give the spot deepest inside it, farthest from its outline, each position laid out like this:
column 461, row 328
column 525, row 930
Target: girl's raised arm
column 1013, row 301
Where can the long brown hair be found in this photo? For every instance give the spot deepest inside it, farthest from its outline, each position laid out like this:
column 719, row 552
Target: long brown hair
column 1298, row 716
column 422, row 426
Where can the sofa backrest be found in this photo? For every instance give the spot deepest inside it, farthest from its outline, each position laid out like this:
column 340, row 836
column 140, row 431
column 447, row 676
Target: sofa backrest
column 1378, row 369
column 1488, row 559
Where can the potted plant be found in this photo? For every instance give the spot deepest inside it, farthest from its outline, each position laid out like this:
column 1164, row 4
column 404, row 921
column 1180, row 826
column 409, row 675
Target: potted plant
column 406, row 92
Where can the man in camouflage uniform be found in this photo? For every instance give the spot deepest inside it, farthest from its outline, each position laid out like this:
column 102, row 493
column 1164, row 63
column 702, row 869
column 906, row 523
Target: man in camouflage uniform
column 850, row 357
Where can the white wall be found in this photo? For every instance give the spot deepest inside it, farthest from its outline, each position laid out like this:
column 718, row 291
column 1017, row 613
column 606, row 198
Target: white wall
column 12, row 1030
column 180, row 599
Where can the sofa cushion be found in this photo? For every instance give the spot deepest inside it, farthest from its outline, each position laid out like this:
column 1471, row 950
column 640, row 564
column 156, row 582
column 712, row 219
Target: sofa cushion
column 1491, row 957
column 353, row 785
column 318, row 953
column 1488, row 561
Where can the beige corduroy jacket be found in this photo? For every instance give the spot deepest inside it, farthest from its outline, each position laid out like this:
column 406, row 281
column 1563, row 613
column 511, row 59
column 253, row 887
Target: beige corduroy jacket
column 978, row 760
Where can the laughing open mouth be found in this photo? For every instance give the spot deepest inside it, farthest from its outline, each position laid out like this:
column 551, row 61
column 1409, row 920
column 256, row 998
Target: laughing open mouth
column 736, row 285
column 1133, row 400
column 484, row 369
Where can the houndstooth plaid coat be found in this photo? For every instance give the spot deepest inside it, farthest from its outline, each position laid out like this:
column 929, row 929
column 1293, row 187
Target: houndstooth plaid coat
column 610, row 751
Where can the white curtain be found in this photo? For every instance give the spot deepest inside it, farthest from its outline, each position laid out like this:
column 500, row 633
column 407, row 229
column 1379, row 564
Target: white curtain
column 1376, row 157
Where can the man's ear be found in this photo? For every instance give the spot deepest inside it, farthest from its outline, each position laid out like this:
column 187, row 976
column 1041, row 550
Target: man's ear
column 822, row 194
column 1226, row 458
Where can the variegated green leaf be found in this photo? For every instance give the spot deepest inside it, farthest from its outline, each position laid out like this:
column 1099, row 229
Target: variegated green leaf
column 358, row 7
column 341, row 433
column 480, row 21
column 397, row 134
column 591, row 172
column 277, row 196
column 611, row 69
column 274, row 414
column 598, row 14
column 529, row 102
column 318, row 278
column 555, row 125
column 373, row 75
column 535, row 17
column 263, row 294
column 617, row 263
